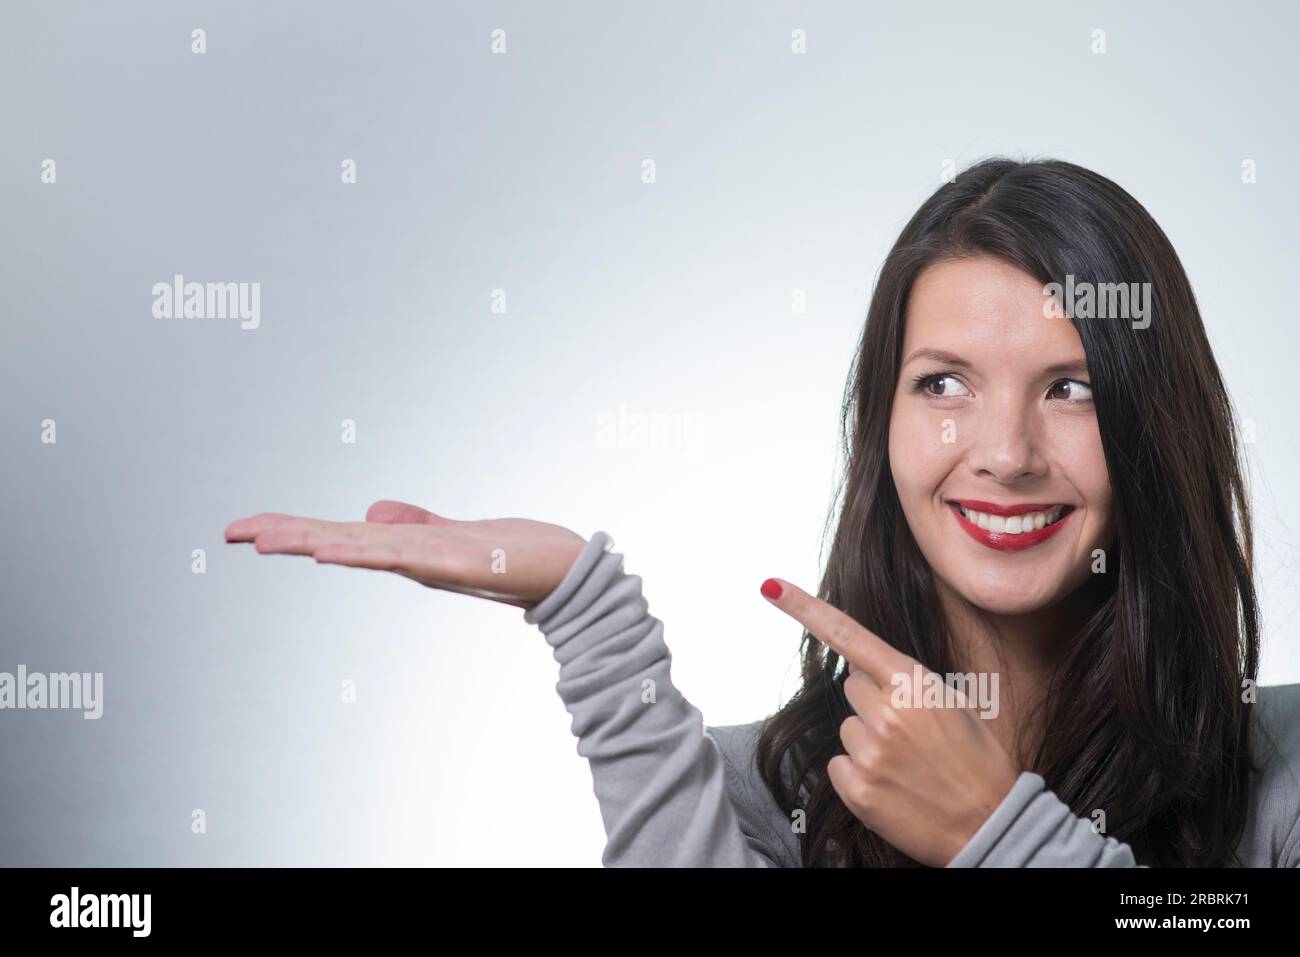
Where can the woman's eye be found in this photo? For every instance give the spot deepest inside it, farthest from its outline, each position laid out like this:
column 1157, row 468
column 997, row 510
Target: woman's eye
column 943, row 386
column 1075, row 391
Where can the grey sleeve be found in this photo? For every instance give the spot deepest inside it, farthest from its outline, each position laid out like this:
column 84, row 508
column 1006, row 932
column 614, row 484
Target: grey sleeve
column 659, row 779
column 1032, row 827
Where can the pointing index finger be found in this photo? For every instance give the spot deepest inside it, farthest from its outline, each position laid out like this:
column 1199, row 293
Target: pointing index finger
column 859, row 646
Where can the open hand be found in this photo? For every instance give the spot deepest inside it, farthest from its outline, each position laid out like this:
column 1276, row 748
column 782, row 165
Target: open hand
column 516, row 561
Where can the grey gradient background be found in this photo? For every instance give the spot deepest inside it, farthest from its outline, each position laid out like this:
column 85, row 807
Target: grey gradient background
column 521, row 172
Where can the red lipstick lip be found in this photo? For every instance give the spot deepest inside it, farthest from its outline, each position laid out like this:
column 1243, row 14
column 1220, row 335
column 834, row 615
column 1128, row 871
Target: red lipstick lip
column 1003, row 541
column 992, row 508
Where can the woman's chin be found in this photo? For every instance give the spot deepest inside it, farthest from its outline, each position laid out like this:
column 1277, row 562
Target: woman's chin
column 1008, row 598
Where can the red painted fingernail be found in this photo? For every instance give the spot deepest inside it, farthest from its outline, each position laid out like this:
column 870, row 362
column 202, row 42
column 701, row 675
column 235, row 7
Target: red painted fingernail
column 771, row 589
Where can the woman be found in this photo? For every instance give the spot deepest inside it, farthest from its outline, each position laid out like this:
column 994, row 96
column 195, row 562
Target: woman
column 1043, row 509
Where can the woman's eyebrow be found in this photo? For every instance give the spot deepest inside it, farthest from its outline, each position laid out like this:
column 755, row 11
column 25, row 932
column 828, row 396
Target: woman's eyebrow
column 937, row 355
column 1077, row 367
column 1073, row 367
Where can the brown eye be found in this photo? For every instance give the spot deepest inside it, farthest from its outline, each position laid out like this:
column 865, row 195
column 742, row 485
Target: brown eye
column 943, row 386
column 1073, row 391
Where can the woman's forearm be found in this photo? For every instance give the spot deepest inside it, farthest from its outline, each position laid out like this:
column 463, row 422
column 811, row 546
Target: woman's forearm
column 1032, row 827
column 659, row 779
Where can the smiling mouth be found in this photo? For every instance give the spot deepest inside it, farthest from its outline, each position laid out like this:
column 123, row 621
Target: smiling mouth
column 1009, row 527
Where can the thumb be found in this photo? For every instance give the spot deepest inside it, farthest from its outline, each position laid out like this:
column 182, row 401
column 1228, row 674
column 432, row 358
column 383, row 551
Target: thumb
column 388, row 512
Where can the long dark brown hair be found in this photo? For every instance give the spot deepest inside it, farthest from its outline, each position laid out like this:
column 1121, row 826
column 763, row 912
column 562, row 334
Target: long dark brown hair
column 1144, row 716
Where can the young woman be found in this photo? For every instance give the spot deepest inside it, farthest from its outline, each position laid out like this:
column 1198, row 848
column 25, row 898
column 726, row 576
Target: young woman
column 1044, row 489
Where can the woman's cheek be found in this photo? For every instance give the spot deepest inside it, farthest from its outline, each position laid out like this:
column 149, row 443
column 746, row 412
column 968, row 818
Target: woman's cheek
column 919, row 456
column 1080, row 454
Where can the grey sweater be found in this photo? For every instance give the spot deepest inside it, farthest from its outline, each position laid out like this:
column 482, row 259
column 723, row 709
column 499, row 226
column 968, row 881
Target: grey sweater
column 673, row 792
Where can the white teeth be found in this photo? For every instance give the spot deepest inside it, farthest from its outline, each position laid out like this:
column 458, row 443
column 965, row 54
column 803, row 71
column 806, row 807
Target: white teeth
column 1012, row 524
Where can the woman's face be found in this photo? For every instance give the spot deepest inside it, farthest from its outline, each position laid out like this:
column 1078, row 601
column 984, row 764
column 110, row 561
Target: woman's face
column 994, row 435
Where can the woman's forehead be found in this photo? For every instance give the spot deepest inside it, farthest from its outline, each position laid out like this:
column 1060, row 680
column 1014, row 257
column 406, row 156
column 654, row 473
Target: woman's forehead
column 983, row 305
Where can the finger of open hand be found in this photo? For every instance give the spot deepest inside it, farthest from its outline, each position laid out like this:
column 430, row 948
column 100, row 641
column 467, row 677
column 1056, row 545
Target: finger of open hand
column 413, row 552
column 381, row 556
column 303, row 536
column 246, row 529
column 390, row 512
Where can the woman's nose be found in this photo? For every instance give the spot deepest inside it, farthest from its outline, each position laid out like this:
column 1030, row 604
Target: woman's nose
column 1007, row 447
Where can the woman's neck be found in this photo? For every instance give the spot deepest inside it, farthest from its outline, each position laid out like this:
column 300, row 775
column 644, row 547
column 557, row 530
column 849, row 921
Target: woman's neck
column 1022, row 651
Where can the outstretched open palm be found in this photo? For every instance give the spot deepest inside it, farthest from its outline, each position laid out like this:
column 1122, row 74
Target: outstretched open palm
column 516, row 561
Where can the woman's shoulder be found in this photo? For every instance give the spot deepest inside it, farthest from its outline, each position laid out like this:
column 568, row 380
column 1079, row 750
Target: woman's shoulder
column 1280, row 704
column 760, row 816
column 1277, row 733
column 738, row 744
column 1272, row 837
